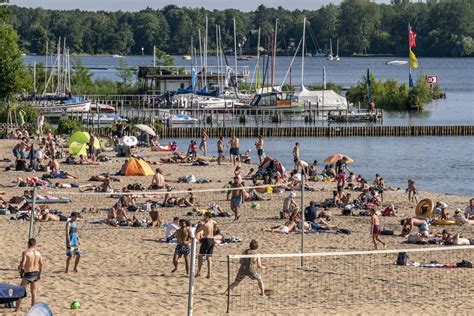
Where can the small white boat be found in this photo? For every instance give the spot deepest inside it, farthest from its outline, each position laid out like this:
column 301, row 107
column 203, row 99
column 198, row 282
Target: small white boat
column 183, row 119
column 102, row 108
column 71, row 105
column 102, row 118
column 397, row 62
column 215, row 104
column 117, row 56
column 187, row 57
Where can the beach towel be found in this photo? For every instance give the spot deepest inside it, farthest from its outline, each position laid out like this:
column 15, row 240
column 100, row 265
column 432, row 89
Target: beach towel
column 50, row 200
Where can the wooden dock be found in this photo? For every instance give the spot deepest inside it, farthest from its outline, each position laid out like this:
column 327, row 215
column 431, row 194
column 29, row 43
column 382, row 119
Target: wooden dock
column 341, row 131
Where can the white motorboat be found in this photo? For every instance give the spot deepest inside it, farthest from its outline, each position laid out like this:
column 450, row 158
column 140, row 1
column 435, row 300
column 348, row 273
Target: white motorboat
column 102, row 108
column 101, row 118
column 117, row 56
column 397, row 62
column 215, row 104
column 183, row 119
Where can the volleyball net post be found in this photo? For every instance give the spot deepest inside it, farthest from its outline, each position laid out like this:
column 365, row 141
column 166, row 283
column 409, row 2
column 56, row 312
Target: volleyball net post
column 192, row 265
column 32, row 214
column 302, row 217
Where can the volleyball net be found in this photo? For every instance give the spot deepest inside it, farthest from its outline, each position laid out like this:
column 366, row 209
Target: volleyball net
column 299, row 282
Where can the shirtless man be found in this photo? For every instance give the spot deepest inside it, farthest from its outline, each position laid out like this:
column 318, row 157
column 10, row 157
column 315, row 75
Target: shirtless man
column 30, row 268
column 234, row 150
column 236, row 197
column 158, row 181
column 188, row 201
column 290, row 208
column 122, row 216
column 155, row 216
column 220, row 149
column 203, row 144
column 183, row 238
column 412, row 191
column 259, row 147
column 408, row 224
column 296, row 154
column 207, row 244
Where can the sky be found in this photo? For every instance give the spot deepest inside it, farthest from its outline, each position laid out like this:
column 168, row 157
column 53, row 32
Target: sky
column 136, row 5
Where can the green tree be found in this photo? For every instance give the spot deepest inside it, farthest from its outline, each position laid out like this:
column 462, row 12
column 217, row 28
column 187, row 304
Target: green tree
column 13, row 75
column 126, row 73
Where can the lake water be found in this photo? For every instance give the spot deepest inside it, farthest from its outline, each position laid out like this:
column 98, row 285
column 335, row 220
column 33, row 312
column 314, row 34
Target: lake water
column 438, row 164
column 456, row 76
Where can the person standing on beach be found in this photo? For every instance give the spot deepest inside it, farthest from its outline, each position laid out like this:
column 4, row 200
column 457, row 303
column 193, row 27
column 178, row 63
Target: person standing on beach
column 207, row 244
column 40, row 125
column 412, row 191
column 31, row 266
column 248, row 268
column 237, row 197
column 183, row 238
column 296, row 154
column 220, row 149
column 235, row 150
column 203, row 144
column 72, row 242
column 259, row 147
column 375, row 228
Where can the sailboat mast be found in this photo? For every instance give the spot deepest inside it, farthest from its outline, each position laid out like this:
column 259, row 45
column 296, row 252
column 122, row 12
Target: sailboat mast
column 200, row 56
column 34, row 77
column 205, row 53
column 45, row 67
column 235, row 53
column 274, row 51
column 302, row 53
column 218, row 59
column 59, row 66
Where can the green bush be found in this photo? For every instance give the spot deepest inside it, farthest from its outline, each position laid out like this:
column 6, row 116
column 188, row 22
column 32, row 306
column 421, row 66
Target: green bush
column 68, row 126
column 31, row 113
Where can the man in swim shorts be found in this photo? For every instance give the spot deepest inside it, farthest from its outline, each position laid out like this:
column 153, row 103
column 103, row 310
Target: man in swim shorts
column 30, row 269
column 236, row 197
column 207, row 244
column 235, row 150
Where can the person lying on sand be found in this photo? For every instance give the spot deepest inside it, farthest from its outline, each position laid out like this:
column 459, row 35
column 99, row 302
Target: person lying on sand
column 288, row 227
column 188, row 201
column 105, row 187
column 408, row 224
column 45, row 216
column 56, row 172
column 170, row 199
column 103, row 177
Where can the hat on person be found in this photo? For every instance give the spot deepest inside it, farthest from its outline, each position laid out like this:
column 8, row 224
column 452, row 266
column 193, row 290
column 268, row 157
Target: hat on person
column 292, row 194
column 443, row 205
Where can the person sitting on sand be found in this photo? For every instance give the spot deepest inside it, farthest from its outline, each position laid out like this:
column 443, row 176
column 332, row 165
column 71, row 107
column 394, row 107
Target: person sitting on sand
column 188, row 201
column 254, row 195
column 290, row 207
column 408, row 224
column 112, row 215
column 469, row 210
column 171, row 228
column 288, row 227
column 169, row 199
column 122, row 217
column 248, row 268
column 155, row 216
column 56, row 172
column 158, row 181
column 183, row 239
column 441, row 211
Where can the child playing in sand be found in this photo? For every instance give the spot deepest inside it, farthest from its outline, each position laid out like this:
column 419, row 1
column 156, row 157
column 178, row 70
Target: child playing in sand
column 375, row 228
column 248, row 268
column 72, row 242
column 412, row 191
column 183, row 238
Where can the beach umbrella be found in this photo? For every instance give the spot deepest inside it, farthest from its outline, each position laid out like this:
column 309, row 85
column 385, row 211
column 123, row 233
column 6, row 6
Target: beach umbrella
column 11, row 293
column 82, row 138
column 147, row 129
column 77, row 149
column 334, row 158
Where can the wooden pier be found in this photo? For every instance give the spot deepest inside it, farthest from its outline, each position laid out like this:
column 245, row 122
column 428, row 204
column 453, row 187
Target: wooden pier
column 341, row 131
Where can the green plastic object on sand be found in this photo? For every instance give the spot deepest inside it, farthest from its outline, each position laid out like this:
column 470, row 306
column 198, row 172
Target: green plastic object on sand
column 75, row 305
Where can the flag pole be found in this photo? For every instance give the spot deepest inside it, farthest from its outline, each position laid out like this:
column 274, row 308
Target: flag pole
column 409, row 63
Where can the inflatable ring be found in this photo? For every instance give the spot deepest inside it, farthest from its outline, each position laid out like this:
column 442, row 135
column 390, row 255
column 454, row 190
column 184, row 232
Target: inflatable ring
column 106, row 144
column 424, row 208
column 130, row 141
column 439, row 222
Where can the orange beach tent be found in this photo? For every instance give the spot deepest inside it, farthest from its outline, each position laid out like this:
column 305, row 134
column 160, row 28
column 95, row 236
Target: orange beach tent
column 138, row 167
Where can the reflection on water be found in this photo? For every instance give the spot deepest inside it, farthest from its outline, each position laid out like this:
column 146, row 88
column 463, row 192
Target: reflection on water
column 439, row 164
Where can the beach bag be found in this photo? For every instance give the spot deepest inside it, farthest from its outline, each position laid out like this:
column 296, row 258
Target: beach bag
column 345, row 231
column 387, row 232
column 464, row 264
column 347, row 210
column 402, row 259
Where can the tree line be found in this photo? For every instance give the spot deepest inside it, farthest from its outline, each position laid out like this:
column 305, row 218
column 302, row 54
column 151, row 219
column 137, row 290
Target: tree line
column 445, row 28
